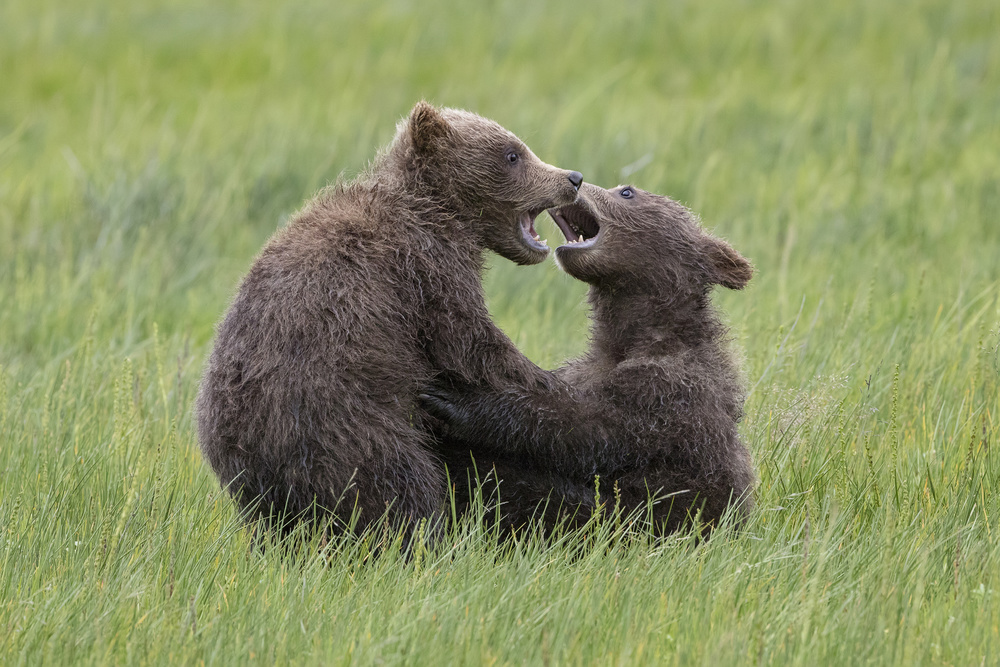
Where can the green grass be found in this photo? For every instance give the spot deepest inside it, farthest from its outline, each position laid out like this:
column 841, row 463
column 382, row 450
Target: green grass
column 851, row 149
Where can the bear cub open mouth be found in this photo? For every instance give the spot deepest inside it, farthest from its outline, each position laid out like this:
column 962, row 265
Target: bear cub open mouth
column 530, row 236
column 577, row 224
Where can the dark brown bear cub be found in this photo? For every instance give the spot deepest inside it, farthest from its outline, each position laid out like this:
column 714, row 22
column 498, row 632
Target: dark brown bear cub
column 309, row 397
column 652, row 407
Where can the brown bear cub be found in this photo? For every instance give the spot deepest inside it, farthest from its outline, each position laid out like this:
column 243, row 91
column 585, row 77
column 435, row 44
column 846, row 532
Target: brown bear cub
column 652, row 407
column 309, row 400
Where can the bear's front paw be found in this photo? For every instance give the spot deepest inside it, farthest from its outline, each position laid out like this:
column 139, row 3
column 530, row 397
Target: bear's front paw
column 444, row 405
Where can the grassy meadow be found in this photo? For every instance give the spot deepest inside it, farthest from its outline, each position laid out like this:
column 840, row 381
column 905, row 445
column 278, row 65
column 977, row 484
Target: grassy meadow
column 851, row 149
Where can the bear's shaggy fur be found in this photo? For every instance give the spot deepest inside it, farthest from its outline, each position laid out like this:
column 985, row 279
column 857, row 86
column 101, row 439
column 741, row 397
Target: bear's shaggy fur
column 310, row 394
column 652, row 408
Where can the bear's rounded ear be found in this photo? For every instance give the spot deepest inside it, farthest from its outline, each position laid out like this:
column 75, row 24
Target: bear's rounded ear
column 728, row 267
column 427, row 128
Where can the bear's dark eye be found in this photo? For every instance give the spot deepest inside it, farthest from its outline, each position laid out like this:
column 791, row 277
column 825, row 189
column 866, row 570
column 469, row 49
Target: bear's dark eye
column 627, row 193
column 512, row 157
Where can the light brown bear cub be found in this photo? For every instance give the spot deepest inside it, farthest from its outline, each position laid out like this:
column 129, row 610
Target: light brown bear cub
column 349, row 311
column 653, row 406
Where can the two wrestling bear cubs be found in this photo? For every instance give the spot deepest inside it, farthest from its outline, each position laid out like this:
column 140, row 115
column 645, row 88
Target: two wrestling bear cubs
column 358, row 360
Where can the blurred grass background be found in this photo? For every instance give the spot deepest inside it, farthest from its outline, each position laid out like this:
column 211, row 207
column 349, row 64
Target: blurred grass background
column 850, row 149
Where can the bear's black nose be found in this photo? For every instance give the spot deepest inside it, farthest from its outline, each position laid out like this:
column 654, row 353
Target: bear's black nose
column 576, row 178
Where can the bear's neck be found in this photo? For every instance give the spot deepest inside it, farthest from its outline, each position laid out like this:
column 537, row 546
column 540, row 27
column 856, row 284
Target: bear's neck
column 429, row 194
column 397, row 187
column 627, row 325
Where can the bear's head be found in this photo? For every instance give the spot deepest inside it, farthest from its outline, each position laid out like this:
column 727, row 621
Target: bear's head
column 628, row 238
column 486, row 175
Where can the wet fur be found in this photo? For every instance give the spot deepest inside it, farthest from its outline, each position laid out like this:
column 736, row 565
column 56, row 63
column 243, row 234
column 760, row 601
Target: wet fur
column 651, row 408
column 361, row 300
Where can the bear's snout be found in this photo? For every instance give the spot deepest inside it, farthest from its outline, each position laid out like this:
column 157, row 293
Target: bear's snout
column 576, row 178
